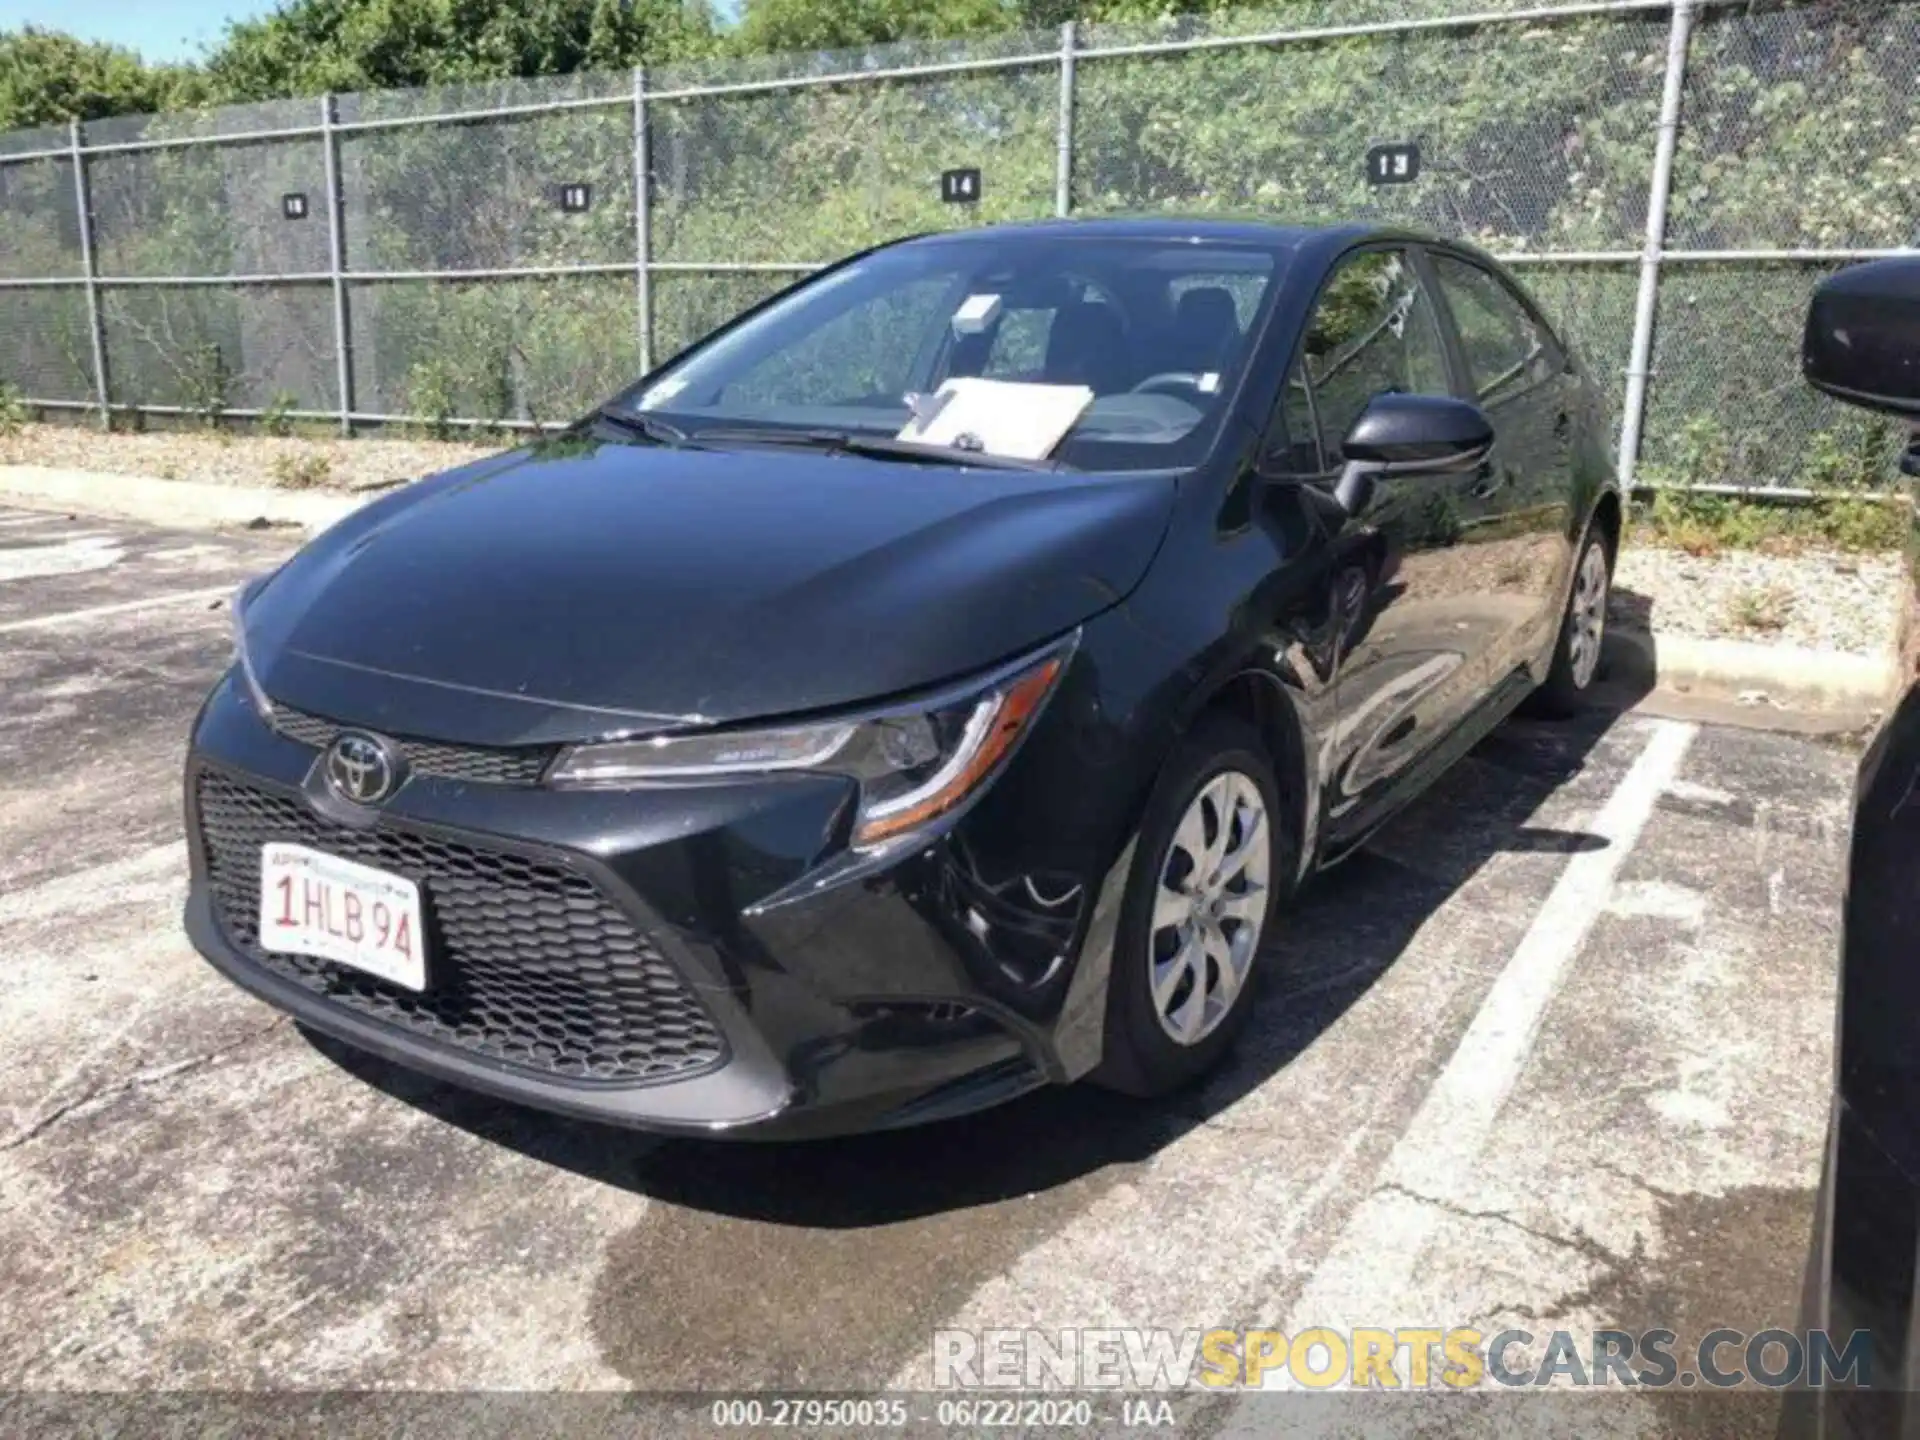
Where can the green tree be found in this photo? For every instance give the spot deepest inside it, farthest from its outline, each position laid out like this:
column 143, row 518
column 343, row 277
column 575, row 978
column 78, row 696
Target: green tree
column 768, row 26
column 624, row 33
column 47, row 78
column 318, row 45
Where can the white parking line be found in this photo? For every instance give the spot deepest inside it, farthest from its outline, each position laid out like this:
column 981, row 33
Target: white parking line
column 60, row 555
column 1369, row 1273
column 124, row 607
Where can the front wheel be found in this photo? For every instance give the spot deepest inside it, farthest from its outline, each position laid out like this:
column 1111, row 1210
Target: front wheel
column 1216, row 849
column 1576, row 655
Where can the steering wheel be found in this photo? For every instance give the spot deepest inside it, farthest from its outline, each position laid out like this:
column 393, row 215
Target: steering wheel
column 1168, row 379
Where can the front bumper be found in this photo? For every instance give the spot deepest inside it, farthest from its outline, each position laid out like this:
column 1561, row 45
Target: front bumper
column 936, row 985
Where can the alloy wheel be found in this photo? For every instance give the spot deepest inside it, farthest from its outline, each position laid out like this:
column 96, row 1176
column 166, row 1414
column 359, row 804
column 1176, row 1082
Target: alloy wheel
column 1587, row 616
column 1209, row 906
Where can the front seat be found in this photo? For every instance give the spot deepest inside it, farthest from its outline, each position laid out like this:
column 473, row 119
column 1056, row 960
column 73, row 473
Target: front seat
column 1087, row 345
column 1206, row 330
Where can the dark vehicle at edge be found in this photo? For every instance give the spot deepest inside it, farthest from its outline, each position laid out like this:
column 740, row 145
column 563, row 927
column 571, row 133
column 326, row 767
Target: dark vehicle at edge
column 727, row 763
column 1862, row 345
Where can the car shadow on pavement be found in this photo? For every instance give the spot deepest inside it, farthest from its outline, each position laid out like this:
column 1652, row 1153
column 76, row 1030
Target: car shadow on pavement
column 1346, row 931
column 1629, row 609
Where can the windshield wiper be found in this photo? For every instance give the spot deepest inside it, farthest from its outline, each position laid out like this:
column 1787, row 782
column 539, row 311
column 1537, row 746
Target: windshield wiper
column 877, row 447
column 645, row 426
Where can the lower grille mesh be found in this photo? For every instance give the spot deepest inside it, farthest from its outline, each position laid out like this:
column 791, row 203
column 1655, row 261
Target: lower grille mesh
column 527, row 962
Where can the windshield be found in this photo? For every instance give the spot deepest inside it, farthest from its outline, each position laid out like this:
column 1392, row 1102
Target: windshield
column 1107, row 353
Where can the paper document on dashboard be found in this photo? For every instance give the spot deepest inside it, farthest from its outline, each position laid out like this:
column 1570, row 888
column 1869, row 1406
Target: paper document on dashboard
column 996, row 417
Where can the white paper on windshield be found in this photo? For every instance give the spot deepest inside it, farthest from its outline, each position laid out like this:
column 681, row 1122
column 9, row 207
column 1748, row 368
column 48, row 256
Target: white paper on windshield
column 975, row 314
column 998, row 417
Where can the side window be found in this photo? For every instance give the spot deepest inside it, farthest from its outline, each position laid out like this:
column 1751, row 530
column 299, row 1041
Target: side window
column 1073, row 336
column 1300, row 452
column 1372, row 331
column 1505, row 349
column 1246, row 288
column 1019, row 350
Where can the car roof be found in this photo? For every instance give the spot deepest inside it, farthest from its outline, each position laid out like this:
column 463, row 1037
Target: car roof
column 1226, row 230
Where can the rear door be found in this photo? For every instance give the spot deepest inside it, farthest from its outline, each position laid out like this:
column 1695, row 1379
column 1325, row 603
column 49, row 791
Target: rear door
column 1518, row 512
column 1410, row 663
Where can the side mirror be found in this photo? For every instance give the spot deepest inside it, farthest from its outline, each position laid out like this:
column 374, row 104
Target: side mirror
column 1406, row 435
column 1862, row 342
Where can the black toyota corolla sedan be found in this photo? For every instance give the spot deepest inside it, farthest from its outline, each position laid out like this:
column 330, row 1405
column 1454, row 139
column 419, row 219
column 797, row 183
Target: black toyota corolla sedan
column 929, row 686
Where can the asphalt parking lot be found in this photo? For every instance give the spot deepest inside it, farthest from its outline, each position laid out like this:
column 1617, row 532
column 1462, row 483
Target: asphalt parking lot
column 1553, row 1053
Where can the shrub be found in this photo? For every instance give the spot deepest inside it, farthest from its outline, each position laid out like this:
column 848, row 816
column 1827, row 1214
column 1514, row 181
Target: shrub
column 205, row 380
column 13, row 412
column 1704, row 524
column 1762, row 608
column 1849, row 461
column 430, row 397
column 1701, row 454
column 277, row 418
column 301, row 472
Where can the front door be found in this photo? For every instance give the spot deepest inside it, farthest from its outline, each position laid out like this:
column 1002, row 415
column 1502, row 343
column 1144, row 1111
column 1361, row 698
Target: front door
column 1415, row 649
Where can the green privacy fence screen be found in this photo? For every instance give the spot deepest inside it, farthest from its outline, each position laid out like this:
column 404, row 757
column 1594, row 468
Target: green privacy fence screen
column 1670, row 176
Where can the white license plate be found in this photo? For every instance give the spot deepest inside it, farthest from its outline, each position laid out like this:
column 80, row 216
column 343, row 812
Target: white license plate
column 316, row 904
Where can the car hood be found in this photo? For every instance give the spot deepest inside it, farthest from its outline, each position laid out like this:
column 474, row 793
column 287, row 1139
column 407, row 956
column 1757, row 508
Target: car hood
column 579, row 589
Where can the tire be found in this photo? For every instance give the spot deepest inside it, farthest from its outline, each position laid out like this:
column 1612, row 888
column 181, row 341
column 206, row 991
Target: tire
column 1583, row 630
column 1154, row 1047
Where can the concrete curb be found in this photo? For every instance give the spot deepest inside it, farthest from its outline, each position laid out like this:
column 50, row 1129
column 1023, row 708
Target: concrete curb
column 1782, row 676
column 183, row 503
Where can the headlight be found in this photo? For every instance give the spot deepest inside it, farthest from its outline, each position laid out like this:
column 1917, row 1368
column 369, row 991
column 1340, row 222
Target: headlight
column 914, row 764
column 238, row 607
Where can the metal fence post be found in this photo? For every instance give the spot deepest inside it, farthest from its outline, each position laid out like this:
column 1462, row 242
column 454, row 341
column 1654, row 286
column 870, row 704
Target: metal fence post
column 1633, row 422
column 642, row 220
column 1063, row 159
column 83, row 204
column 336, row 262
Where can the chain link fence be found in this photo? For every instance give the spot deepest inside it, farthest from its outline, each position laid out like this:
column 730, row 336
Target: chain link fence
column 1670, row 176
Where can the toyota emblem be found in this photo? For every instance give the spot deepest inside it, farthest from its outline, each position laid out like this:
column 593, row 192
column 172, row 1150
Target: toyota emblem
column 361, row 768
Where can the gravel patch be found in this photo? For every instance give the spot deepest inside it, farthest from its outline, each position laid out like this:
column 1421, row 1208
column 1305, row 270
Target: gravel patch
column 1821, row 599
column 282, row 462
